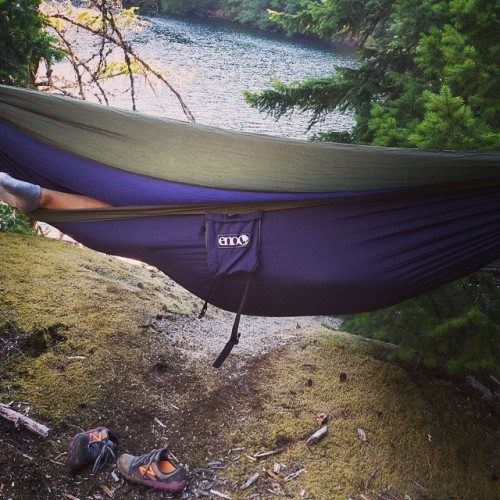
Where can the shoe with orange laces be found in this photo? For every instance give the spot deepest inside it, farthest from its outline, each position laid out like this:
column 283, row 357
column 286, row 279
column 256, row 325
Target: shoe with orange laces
column 91, row 447
column 157, row 469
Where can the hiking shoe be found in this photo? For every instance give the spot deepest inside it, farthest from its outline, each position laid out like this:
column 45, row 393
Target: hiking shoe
column 158, row 469
column 91, row 447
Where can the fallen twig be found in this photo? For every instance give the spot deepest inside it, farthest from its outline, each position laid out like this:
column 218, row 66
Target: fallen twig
column 250, row 481
column 490, row 397
column 293, row 475
column 161, row 424
column 107, row 490
column 216, row 465
column 423, row 488
column 319, row 434
column 266, row 454
column 274, row 476
column 53, row 461
column 201, row 492
column 219, row 494
column 20, row 419
column 371, row 478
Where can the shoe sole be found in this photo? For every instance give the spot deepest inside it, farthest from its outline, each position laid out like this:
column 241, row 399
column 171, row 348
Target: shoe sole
column 155, row 484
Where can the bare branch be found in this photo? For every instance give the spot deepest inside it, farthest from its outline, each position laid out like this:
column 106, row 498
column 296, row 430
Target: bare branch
column 104, row 27
column 107, row 15
column 20, row 419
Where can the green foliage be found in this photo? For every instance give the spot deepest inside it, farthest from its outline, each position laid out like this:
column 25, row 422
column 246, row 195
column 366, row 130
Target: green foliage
column 450, row 124
column 384, row 126
column 316, row 95
column 456, row 327
column 337, row 19
column 428, row 74
column 12, row 221
column 252, row 13
column 23, row 42
column 188, row 7
column 332, row 136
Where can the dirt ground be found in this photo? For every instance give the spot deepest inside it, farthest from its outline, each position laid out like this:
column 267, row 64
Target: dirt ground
column 87, row 340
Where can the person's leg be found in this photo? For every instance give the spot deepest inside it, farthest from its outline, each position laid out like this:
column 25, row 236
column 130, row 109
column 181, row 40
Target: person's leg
column 28, row 197
column 58, row 200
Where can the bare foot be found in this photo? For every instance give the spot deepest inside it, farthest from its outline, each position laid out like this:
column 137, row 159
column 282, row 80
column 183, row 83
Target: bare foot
column 19, row 194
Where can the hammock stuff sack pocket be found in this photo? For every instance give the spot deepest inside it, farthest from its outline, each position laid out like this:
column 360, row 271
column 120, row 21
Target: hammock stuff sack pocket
column 233, row 246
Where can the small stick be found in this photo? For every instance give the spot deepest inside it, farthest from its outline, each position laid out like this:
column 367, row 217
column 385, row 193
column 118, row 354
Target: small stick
column 201, row 492
column 219, row 494
column 293, row 475
column 107, row 490
column 274, row 476
column 319, row 434
column 371, row 478
column 250, row 481
column 266, row 454
column 20, row 419
column 490, row 397
column 71, row 497
column 161, row 424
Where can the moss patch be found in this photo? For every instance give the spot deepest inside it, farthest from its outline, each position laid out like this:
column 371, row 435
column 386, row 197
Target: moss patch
column 426, row 438
column 99, row 305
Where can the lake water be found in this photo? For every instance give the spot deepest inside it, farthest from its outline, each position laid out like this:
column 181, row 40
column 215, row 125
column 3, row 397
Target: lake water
column 211, row 63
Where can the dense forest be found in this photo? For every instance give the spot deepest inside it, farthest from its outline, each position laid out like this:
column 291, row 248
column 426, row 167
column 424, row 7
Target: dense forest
column 251, row 13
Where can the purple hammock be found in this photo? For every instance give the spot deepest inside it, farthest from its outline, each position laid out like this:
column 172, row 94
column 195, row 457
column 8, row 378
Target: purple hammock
column 253, row 224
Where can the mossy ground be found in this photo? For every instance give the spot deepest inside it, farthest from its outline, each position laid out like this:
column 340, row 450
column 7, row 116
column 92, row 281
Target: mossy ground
column 78, row 350
column 426, row 438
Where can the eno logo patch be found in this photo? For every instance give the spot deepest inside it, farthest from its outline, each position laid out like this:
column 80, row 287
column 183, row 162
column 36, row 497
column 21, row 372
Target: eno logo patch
column 233, row 240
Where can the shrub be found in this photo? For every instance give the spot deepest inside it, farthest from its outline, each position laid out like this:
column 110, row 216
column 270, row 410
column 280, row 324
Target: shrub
column 455, row 327
column 13, row 221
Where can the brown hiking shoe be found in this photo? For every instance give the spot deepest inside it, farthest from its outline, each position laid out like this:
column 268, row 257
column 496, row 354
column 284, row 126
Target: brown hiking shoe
column 158, row 469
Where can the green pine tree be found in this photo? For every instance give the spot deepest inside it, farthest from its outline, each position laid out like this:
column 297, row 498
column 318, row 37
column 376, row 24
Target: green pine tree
column 23, row 42
column 409, row 52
